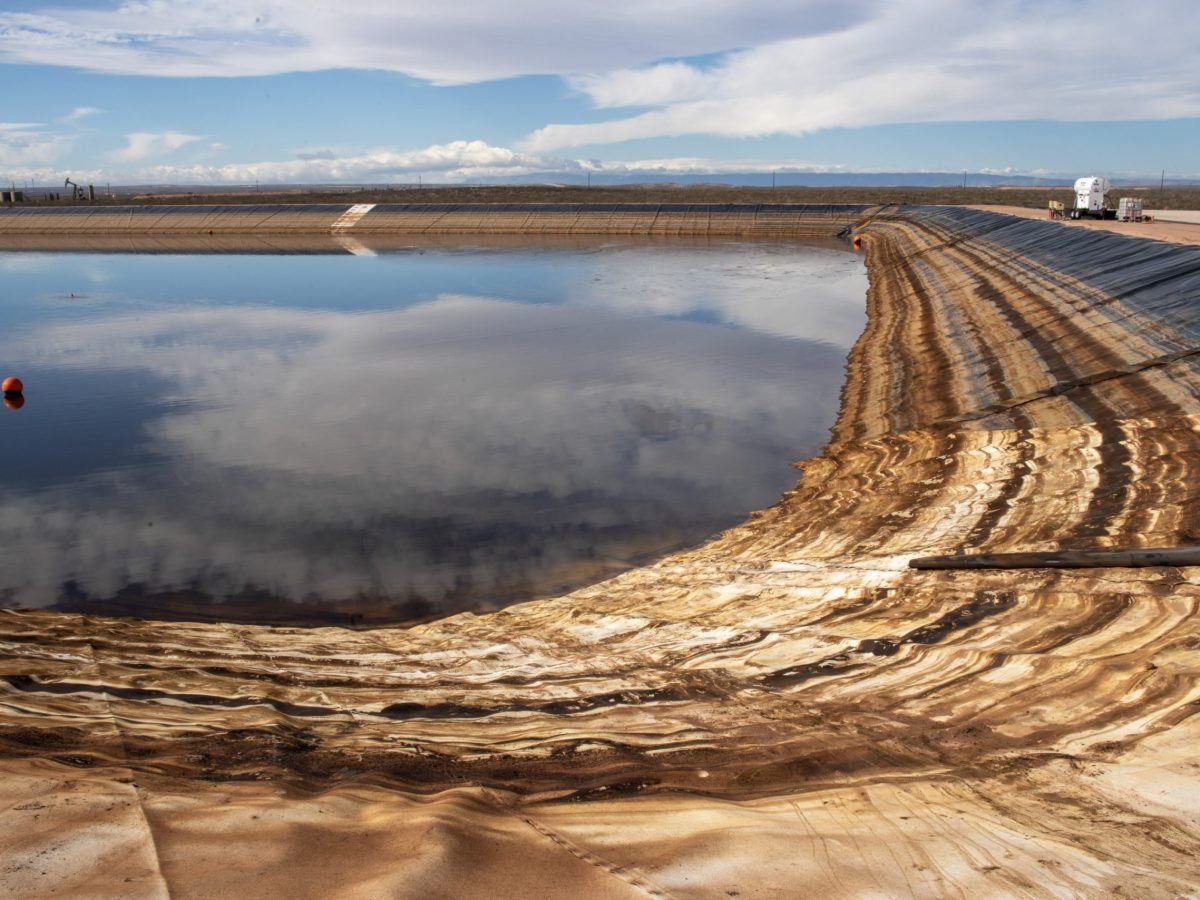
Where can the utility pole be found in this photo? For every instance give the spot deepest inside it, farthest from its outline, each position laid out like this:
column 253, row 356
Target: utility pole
column 589, row 175
column 772, row 179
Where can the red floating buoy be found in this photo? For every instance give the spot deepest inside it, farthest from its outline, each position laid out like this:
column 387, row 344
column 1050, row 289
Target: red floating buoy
column 857, row 241
column 12, row 385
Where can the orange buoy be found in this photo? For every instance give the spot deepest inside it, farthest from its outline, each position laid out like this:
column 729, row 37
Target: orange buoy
column 858, row 242
column 14, row 401
column 12, row 385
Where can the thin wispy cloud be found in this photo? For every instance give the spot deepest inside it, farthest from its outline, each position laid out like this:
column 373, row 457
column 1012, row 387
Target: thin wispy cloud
column 80, row 112
column 145, row 144
column 679, row 72
column 931, row 61
column 31, row 144
column 788, row 67
column 451, row 42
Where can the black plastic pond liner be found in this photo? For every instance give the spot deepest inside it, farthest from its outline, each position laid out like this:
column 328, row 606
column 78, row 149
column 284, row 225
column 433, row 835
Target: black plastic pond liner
column 1154, row 278
column 1065, row 559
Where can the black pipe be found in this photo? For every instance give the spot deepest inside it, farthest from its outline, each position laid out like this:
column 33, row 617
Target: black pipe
column 1065, row 559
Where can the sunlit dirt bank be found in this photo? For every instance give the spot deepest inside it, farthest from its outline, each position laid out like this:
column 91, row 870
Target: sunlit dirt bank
column 788, row 710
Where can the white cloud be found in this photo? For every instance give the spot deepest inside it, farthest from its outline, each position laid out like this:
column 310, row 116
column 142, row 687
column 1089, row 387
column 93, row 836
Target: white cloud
column 144, row 144
column 773, row 67
column 450, row 163
column 81, row 112
column 453, row 41
column 29, row 144
column 924, row 61
column 454, row 161
column 217, row 146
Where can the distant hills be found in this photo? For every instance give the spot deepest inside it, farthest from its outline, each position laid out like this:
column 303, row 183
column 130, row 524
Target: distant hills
column 828, row 179
column 846, row 179
column 666, row 180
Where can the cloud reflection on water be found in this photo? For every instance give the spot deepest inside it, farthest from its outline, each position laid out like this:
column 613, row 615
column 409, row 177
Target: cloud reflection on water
column 460, row 451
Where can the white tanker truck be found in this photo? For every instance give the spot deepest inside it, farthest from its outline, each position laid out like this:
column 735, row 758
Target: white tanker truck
column 1091, row 198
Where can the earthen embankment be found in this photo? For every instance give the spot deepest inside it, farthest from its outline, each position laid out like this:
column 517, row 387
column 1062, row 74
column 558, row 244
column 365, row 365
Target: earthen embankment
column 654, row 219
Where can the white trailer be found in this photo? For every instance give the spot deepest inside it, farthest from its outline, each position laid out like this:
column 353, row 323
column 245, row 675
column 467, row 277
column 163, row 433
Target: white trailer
column 1090, row 198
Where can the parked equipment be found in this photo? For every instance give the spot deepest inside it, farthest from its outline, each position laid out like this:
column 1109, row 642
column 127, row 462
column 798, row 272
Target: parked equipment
column 1091, row 202
column 1129, row 209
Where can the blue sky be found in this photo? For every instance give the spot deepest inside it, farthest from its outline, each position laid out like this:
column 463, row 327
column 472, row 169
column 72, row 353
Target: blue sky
column 232, row 91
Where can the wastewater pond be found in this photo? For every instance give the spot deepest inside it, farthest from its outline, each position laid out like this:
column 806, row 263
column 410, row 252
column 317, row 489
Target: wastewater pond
column 395, row 434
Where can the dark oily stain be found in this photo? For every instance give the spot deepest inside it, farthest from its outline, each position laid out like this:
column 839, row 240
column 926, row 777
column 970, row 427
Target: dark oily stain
column 610, row 791
column 59, row 738
column 986, row 603
column 622, row 698
column 291, row 679
column 278, row 753
column 1103, row 610
column 30, row 685
column 554, row 708
column 443, row 711
column 878, row 646
column 736, row 644
column 849, row 759
column 35, row 638
column 833, row 665
column 78, row 762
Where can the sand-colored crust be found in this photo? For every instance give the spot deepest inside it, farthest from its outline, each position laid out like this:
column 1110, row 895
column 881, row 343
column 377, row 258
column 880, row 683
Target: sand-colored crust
column 786, row 711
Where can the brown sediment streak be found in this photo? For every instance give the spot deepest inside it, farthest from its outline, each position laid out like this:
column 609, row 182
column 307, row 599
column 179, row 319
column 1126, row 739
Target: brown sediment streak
column 786, row 710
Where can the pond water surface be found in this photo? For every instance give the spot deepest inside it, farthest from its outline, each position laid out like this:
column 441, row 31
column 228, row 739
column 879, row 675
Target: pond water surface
column 365, row 438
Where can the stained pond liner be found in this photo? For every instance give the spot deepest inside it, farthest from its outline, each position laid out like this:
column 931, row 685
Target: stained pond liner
column 842, row 724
